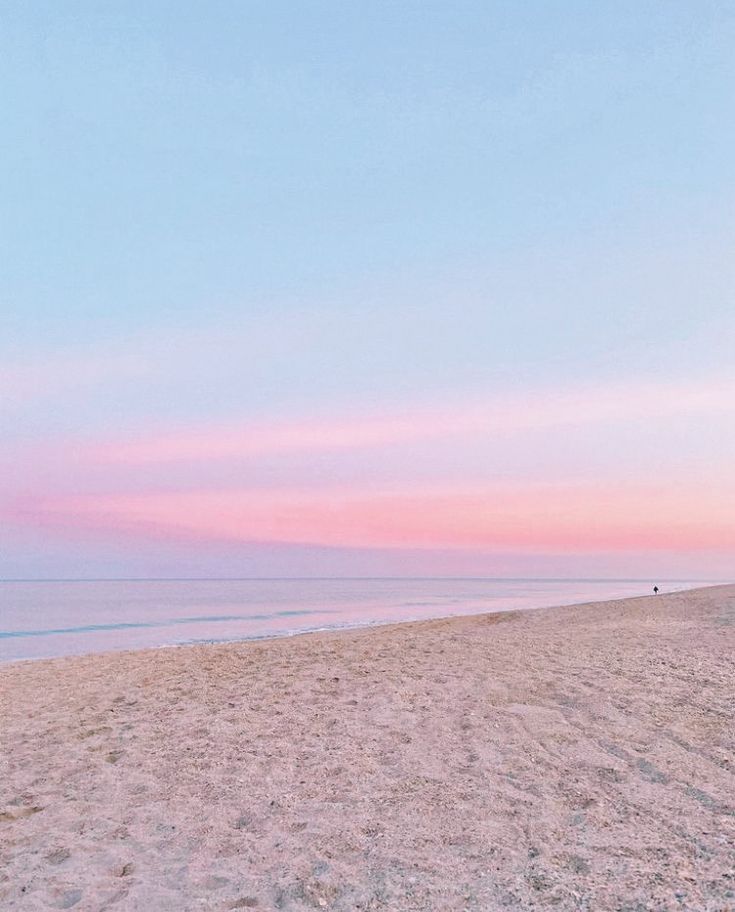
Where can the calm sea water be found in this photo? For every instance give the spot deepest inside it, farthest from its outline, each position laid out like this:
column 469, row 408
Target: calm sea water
column 44, row 619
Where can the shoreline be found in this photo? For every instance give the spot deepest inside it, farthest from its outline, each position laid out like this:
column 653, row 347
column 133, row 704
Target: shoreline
column 343, row 628
column 578, row 757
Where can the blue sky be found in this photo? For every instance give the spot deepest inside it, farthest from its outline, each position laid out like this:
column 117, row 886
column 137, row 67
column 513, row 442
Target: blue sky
column 233, row 214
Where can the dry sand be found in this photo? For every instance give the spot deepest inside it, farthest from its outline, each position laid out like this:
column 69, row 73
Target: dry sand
column 569, row 758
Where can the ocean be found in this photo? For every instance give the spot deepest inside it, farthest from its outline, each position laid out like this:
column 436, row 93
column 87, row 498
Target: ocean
column 59, row 618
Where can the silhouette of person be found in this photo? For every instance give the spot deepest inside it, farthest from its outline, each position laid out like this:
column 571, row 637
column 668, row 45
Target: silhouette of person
column 655, row 590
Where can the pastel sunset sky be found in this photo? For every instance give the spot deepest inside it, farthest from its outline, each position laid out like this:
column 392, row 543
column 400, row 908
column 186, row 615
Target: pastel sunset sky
column 382, row 288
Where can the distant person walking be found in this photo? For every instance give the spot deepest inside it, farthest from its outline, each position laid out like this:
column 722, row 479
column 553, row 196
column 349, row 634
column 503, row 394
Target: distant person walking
column 655, row 590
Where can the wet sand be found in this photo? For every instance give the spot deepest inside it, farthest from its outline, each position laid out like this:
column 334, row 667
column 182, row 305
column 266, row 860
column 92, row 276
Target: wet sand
column 578, row 758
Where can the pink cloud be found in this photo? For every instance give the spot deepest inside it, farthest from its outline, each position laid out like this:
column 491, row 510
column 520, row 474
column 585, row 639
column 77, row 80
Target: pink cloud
column 530, row 516
column 579, row 518
column 494, row 416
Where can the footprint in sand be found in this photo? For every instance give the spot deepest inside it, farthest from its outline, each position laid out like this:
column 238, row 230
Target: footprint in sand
column 8, row 816
column 58, row 856
column 68, row 899
column 703, row 798
column 215, row 882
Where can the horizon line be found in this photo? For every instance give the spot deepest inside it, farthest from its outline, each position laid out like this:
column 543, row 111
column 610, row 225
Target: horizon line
column 241, row 579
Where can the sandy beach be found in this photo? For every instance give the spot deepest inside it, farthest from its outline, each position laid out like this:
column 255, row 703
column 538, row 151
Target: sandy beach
column 578, row 758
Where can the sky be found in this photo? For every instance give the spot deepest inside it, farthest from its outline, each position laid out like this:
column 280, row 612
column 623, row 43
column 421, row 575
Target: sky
column 367, row 289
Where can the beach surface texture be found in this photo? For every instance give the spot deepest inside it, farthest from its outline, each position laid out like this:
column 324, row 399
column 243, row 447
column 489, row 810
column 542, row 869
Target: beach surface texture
column 578, row 758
